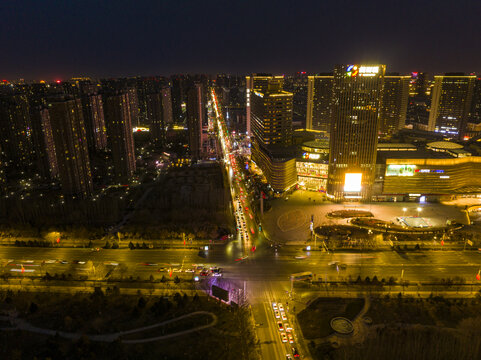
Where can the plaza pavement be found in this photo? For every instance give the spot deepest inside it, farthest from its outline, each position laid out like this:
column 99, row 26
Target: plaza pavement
column 287, row 221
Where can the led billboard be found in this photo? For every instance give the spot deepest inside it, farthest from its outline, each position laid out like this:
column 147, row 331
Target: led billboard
column 400, row 170
column 352, row 182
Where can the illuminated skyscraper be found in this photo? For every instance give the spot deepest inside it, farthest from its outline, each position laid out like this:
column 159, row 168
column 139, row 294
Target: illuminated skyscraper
column 394, row 105
column 257, row 82
column 451, row 103
column 70, row 140
column 356, row 103
column 319, row 95
column 271, row 127
column 119, row 134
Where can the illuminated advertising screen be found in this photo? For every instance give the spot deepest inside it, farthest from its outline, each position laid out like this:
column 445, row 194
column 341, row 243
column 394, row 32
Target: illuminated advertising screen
column 352, row 182
column 400, row 170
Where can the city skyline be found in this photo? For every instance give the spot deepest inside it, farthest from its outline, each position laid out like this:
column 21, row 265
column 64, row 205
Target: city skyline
column 148, row 38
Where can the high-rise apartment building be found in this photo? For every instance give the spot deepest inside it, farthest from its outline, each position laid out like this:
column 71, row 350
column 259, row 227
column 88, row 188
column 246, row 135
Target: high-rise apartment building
column 70, row 138
column 394, row 104
column 167, row 116
column 196, row 117
column 119, row 134
column 93, row 112
column 16, row 130
column 451, row 102
column 44, row 143
column 154, row 113
column 356, row 109
column 475, row 112
column 319, row 94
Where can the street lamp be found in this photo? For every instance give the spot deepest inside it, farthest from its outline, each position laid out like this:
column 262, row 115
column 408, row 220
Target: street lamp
column 419, row 210
column 404, row 211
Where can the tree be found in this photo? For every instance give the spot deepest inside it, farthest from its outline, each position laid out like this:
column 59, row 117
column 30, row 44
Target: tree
column 107, row 245
column 131, row 245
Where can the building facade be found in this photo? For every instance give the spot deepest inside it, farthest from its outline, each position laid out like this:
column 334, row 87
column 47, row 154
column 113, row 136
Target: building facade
column 356, row 103
column 450, row 104
column 319, row 94
column 70, row 138
column 120, row 136
column 394, row 105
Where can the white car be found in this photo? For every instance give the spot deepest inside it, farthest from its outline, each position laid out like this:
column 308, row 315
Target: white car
column 281, row 308
column 274, row 306
column 287, row 327
column 277, row 314
column 283, row 316
column 284, row 337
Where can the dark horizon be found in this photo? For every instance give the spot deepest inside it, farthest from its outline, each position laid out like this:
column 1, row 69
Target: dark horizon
column 59, row 40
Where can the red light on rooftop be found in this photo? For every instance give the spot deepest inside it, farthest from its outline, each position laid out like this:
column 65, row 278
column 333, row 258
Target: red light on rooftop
column 58, row 81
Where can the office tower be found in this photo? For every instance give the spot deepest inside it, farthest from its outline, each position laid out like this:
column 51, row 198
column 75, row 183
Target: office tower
column 16, row 131
column 394, row 104
column 271, row 127
column 119, row 134
column 70, row 138
column 450, row 103
column 319, row 93
column 44, row 142
column 257, row 82
column 154, row 119
column 271, row 115
column 195, row 119
column 297, row 85
column 166, row 105
column 356, row 102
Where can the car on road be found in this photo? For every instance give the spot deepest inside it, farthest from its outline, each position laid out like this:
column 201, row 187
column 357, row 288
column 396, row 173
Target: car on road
column 284, row 337
column 283, row 316
column 288, row 357
column 148, row 264
column 301, row 257
column 63, row 262
column 204, row 272
column 280, row 326
column 295, row 352
column 287, row 327
column 163, row 269
column 50, row 261
column 333, row 263
column 281, row 308
column 277, row 314
column 291, row 339
column 189, row 270
column 274, row 306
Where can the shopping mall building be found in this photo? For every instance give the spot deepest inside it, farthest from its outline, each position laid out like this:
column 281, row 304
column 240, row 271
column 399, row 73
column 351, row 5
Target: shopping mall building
column 404, row 172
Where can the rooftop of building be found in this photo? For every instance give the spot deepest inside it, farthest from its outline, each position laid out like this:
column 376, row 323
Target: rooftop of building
column 317, row 144
column 420, row 153
column 443, row 145
column 396, row 147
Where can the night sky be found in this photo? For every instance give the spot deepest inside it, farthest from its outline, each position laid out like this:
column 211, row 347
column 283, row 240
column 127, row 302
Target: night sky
column 44, row 39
